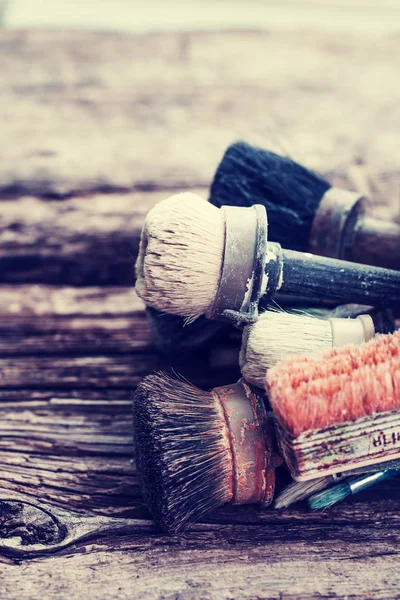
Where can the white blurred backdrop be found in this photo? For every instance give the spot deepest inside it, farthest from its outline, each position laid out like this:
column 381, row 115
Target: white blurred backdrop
column 347, row 16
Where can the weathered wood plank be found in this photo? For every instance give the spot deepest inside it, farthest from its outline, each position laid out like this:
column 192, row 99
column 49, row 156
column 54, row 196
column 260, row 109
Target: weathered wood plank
column 84, row 112
column 76, row 372
column 215, row 562
column 81, row 241
column 83, row 338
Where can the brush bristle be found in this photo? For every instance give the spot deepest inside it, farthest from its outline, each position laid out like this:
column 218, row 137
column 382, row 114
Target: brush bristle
column 182, row 451
column 301, row 490
column 180, row 255
column 177, row 339
column 330, row 497
column 290, row 193
column 343, row 385
column 278, row 335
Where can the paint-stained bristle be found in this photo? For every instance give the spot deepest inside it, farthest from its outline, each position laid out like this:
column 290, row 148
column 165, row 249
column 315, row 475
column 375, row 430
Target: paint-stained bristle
column 278, row 335
column 182, row 451
column 330, row 497
column 291, row 193
column 180, row 255
column 301, row 490
column 343, row 385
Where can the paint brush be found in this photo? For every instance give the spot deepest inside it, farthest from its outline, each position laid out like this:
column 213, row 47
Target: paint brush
column 349, row 487
column 197, row 450
column 196, row 259
column 340, row 411
column 297, row 491
column 305, row 212
column 278, row 335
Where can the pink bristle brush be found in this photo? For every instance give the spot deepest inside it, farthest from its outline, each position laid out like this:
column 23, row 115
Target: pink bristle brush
column 340, row 411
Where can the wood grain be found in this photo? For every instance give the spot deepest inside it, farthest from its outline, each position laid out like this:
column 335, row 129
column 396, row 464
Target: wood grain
column 84, row 241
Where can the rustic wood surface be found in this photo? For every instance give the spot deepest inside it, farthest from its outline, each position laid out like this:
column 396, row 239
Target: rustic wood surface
column 94, row 130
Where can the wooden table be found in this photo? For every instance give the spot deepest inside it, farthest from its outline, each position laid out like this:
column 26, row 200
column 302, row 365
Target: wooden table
column 95, row 128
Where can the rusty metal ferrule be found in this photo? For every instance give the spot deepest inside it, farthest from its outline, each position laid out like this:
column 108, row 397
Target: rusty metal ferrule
column 251, row 443
column 334, row 223
column 243, row 265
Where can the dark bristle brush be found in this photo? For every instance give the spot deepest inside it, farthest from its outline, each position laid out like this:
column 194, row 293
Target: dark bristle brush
column 197, row 259
column 305, row 212
column 197, row 450
column 178, row 340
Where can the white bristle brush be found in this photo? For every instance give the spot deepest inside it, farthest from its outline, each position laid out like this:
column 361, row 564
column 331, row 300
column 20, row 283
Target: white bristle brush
column 278, row 335
column 197, row 259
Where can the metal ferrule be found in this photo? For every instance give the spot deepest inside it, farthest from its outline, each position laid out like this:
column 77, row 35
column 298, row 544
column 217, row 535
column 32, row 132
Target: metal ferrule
column 251, row 442
column 334, row 223
column 359, row 485
column 243, row 265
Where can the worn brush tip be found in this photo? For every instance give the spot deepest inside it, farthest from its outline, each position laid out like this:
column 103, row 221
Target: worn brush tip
column 345, row 384
column 180, row 255
column 329, row 497
column 300, row 490
column 182, row 452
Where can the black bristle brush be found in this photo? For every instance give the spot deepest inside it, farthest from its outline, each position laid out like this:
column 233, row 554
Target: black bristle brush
column 305, row 212
column 197, row 450
column 178, row 339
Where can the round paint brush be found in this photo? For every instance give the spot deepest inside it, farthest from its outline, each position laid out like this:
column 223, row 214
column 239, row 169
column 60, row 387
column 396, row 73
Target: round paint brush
column 349, row 487
column 197, row 259
column 305, row 212
column 279, row 335
column 197, row 450
column 302, row 490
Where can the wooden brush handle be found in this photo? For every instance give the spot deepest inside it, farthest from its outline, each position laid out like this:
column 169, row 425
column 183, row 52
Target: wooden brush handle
column 342, row 229
column 377, row 242
column 294, row 273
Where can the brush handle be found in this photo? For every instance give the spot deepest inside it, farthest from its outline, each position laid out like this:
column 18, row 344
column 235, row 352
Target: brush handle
column 254, row 271
column 376, row 242
column 342, row 229
column 312, row 276
column 360, row 484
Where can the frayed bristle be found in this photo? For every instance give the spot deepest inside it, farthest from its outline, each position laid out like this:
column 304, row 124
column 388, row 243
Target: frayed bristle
column 290, row 193
column 182, row 451
column 330, row 497
column 345, row 384
column 278, row 335
column 301, row 490
column 180, row 255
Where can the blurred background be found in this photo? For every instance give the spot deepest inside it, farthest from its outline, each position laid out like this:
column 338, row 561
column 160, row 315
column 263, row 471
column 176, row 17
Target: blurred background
column 194, row 15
